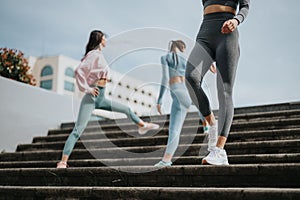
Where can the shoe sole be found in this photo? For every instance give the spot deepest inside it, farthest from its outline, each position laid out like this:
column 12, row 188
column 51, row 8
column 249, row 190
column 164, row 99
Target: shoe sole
column 144, row 132
column 205, row 162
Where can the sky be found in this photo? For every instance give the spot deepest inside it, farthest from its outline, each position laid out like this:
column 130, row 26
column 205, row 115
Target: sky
column 139, row 32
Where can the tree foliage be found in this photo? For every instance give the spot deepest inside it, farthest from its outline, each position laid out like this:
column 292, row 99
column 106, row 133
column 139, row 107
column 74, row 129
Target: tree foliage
column 13, row 65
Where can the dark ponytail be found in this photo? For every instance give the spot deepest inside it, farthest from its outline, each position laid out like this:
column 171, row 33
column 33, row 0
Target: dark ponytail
column 94, row 41
column 180, row 45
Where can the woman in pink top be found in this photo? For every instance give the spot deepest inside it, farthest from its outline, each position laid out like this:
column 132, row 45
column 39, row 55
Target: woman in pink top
column 91, row 77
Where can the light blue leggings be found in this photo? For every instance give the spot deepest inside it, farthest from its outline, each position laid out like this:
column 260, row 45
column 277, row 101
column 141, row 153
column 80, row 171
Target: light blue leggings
column 181, row 103
column 88, row 104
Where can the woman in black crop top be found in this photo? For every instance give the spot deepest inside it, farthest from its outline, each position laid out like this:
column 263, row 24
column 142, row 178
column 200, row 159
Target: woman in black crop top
column 217, row 41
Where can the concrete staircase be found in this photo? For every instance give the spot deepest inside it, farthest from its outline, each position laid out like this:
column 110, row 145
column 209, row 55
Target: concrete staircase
column 111, row 161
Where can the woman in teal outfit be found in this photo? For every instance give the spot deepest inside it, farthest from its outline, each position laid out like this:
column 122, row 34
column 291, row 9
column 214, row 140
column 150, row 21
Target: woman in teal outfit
column 173, row 73
column 173, row 68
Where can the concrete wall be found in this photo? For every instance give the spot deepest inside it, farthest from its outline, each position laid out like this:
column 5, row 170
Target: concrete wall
column 27, row 111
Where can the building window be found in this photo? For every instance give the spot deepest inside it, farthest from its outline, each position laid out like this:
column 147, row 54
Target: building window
column 143, row 103
column 135, row 101
column 135, row 89
column 46, row 71
column 143, row 92
column 128, row 87
column 119, row 96
column 109, row 93
column 69, row 86
column 70, row 72
column 46, row 84
column 120, row 84
column 127, row 99
column 149, row 94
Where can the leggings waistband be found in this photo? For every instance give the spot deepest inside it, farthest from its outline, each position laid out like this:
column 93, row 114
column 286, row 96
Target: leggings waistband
column 218, row 16
column 177, row 85
column 99, row 87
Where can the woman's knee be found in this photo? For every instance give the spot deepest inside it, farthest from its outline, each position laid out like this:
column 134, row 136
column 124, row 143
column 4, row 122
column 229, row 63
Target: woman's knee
column 185, row 103
column 192, row 78
column 228, row 90
column 75, row 135
column 77, row 131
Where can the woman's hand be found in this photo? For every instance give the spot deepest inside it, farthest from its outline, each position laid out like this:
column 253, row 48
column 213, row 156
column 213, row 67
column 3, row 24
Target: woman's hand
column 229, row 26
column 95, row 92
column 213, row 68
column 159, row 109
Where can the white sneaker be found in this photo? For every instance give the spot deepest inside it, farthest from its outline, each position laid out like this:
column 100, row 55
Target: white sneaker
column 62, row 164
column 163, row 164
column 217, row 156
column 212, row 137
column 148, row 126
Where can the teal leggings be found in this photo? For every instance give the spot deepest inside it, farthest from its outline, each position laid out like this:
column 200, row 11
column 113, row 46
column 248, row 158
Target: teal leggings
column 181, row 103
column 88, row 104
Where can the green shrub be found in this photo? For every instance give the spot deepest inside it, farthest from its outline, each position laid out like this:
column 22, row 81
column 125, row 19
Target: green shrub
column 13, row 65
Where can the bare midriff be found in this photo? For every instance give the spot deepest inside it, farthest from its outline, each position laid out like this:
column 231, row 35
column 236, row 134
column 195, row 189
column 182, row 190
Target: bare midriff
column 176, row 79
column 218, row 8
column 101, row 82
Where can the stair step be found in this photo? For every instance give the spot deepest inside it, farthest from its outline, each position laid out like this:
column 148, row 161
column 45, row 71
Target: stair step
column 185, row 137
column 283, row 114
column 257, row 147
column 148, row 193
column 194, row 117
column 112, row 161
column 242, row 110
column 257, row 125
column 185, row 160
column 253, row 175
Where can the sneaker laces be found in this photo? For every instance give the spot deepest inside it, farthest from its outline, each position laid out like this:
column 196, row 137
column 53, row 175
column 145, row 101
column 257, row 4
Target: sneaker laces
column 212, row 136
column 215, row 152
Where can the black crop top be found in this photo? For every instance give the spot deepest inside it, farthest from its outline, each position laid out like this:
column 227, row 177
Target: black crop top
column 243, row 6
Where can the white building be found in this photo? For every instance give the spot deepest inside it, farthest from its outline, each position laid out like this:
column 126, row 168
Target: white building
column 57, row 74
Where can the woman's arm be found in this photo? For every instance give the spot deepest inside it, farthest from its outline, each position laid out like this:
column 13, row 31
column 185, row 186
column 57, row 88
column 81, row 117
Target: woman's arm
column 81, row 75
column 164, row 80
column 82, row 72
column 243, row 10
column 230, row 25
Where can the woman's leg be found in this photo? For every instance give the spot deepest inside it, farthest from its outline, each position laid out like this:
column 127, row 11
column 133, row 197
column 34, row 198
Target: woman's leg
column 204, row 122
column 118, row 107
column 198, row 64
column 86, row 108
column 110, row 105
column 227, row 57
column 181, row 103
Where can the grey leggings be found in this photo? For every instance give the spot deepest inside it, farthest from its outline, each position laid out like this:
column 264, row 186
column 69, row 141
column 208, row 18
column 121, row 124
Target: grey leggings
column 212, row 46
column 88, row 104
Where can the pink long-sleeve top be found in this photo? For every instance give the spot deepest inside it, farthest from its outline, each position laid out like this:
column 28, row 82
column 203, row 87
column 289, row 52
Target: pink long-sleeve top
column 92, row 68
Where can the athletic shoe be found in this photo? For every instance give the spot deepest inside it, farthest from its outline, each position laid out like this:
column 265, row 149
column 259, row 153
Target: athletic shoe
column 148, row 126
column 212, row 137
column 163, row 164
column 62, row 164
column 216, row 157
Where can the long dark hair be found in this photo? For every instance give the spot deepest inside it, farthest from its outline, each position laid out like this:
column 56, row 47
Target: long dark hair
column 180, row 45
column 94, row 41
